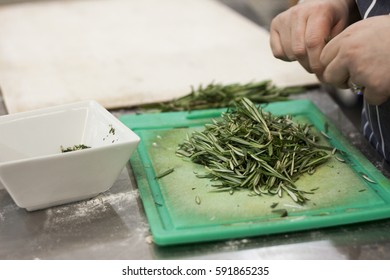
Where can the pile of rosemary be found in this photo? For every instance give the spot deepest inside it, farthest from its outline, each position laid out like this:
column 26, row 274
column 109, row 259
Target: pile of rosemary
column 252, row 149
column 221, row 96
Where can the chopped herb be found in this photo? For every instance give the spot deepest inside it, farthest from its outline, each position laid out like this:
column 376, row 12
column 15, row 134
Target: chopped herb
column 311, row 171
column 321, row 214
column 325, row 135
column 326, row 127
column 339, row 159
column 74, row 148
column 165, row 173
column 281, row 212
column 112, row 130
column 273, row 205
column 249, row 148
column 368, row 179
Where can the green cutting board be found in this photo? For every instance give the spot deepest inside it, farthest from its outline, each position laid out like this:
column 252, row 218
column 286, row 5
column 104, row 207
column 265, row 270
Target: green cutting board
column 182, row 208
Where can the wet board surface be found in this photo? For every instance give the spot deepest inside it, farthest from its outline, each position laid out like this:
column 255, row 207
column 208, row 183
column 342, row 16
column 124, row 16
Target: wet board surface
column 182, row 208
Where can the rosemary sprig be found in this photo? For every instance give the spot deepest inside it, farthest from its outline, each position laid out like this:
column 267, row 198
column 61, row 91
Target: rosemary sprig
column 251, row 149
column 220, row 96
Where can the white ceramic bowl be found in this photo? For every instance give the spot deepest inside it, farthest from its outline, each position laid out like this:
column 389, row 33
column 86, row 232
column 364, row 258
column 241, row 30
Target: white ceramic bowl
column 38, row 174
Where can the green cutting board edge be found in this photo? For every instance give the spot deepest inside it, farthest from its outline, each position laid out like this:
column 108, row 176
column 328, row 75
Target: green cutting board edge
column 172, row 205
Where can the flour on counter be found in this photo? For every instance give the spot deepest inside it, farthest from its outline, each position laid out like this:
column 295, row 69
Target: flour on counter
column 96, row 208
column 6, row 210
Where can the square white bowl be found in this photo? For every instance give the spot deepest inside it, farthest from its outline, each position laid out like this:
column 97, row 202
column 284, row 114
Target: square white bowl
column 38, row 174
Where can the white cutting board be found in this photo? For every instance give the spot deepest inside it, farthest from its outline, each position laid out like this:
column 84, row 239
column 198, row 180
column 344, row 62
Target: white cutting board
column 128, row 52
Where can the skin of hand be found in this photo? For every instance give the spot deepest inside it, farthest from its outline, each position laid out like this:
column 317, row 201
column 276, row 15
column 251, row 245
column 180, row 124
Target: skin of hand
column 361, row 54
column 301, row 32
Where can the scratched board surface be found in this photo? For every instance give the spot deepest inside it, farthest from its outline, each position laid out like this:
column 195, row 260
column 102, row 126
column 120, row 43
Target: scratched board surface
column 182, row 208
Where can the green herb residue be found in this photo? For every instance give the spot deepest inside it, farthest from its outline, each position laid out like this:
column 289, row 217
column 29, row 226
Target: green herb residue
column 74, row 148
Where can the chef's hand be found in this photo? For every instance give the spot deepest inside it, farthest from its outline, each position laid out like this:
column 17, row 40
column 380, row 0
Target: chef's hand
column 301, row 32
column 361, row 55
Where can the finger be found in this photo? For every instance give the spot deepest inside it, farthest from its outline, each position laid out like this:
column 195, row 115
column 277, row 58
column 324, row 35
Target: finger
column 281, row 37
column 337, row 74
column 316, row 36
column 336, row 69
column 276, row 45
column 374, row 98
column 330, row 51
column 304, row 61
column 298, row 45
column 285, row 39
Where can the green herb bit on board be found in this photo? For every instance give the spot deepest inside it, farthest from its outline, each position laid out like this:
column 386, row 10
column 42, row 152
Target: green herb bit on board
column 255, row 150
column 281, row 212
column 74, row 148
column 165, row 173
column 197, row 200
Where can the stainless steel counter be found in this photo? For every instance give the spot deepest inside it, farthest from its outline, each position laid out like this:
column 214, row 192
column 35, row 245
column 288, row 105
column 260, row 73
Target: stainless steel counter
column 113, row 225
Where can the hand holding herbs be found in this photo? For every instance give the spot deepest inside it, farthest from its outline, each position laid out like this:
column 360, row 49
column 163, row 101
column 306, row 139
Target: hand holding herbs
column 252, row 149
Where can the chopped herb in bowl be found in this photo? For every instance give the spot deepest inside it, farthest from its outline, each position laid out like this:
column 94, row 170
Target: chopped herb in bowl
column 74, row 148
